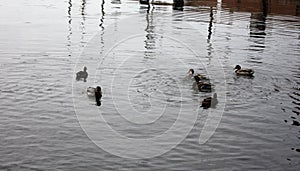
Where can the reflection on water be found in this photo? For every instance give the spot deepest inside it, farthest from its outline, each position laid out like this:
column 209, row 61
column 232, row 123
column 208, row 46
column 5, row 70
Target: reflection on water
column 82, row 75
column 82, row 23
column 69, row 11
column 116, row 1
column 258, row 21
column 69, row 27
column 102, row 14
column 209, row 3
column 257, row 28
column 178, row 4
column 211, row 16
column 260, row 124
column 210, row 26
column 285, row 7
column 257, row 31
column 83, row 9
column 257, row 25
column 150, row 36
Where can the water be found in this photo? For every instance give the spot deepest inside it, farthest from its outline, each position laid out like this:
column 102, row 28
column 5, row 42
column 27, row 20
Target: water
column 43, row 44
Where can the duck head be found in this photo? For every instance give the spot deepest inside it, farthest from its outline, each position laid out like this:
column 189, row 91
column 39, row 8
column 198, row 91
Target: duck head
column 98, row 89
column 84, row 69
column 191, row 72
column 237, row 67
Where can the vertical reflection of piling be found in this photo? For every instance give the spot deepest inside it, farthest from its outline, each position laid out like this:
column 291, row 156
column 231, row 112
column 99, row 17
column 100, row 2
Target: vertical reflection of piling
column 70, row 10
column 265, row 7
column 147, row 2
column 150, row 39
column 258, row 21
column 69, row 26
column 102, row 28
column 210, row 25
column 258, row 27
column 178, row 4
column 102, row 15
column 177, row 16
column 211, row 16
column 82, row 23
column 296, row 98
column 116, row 2
column 295, row 93
column 83, row 8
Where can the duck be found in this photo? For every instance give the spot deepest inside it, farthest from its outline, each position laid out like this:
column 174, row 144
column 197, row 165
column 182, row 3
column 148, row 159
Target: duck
column 91, row 91
column 95, row 92
column 243, row 71
column 202, row 85
column 82, row 75
column 191, row 72
column 210, row 102
column 201, row 76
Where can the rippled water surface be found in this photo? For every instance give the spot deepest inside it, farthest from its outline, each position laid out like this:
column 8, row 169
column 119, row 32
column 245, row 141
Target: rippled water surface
column 140, row 56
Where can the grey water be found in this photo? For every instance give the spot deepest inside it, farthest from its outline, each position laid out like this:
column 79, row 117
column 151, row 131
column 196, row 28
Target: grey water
column 140, row 57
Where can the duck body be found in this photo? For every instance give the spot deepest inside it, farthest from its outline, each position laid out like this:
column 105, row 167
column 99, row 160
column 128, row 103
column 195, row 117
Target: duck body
column 191, row 73
column 200, row 76
column 91, row 91
column 95, row 92
column 203, row 86
column 82, row 75
column 210, row 102
column 243, row 71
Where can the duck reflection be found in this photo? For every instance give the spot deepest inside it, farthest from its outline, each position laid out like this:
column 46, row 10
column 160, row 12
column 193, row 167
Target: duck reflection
column 98, row 95
column 82, row 75
column 210, row 102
